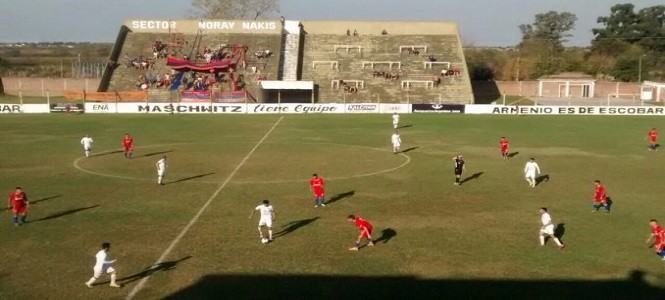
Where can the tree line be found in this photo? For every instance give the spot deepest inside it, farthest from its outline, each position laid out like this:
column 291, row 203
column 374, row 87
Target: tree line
column 628, row 45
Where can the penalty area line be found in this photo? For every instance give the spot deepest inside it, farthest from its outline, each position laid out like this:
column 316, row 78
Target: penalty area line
column 196, row 217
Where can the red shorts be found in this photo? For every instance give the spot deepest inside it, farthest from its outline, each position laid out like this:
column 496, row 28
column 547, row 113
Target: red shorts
column 318, row 194
column 504, row 150
column 366, row 233
column 19, row 209
column 652, row 140
column 603, row 201
column 127, row 149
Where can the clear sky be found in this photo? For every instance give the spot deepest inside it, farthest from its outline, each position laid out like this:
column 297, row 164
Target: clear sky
column 482, row 22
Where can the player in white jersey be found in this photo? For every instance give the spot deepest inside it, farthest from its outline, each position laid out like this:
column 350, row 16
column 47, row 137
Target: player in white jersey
column 267, row 216
column 86, row 141
column 531, row 169
column 396, row 140
column 103, row 265
column 395, row 120
column 161, row 169
column 547, row 228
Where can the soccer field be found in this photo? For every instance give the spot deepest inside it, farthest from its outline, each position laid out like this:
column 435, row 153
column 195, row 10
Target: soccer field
column 479, row 239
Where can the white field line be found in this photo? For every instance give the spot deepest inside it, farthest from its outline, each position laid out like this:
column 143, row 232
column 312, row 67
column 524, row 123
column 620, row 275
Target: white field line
column 406, row 162
column 196, row 217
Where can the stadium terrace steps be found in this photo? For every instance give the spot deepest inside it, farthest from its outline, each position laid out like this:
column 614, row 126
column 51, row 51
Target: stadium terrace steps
column 385, row 48
column 138, row 45
column 341, row 57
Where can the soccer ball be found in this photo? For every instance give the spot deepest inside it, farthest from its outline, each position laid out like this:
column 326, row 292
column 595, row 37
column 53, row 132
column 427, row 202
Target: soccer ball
column 264, row 240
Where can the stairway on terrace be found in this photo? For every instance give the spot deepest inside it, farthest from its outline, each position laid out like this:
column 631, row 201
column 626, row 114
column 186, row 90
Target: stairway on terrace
column 291, row 50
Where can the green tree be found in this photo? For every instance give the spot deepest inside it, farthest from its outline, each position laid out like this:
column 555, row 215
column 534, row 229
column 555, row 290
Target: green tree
column 645, row 28
column 234, row 9
column 551, row 28
column 541, row 48
column 628, row 37
column 485, row 64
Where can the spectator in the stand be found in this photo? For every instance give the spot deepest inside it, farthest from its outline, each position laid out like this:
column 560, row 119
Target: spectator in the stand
column 167, row 80
column 208, row 56
column 142, row 83
column 355, row 32
column 158, row 80
column 348, row 32
column 436, row 80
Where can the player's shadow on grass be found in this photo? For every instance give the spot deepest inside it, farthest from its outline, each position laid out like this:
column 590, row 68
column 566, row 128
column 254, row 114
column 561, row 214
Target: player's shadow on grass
column 155, row 153
column 472, row 177
column 106, row 153
column 63, row 213
column 341, row 196
column 189, row 178
column 542, row 178
column 165, row 266
column 559, row 231
column 37, row 201
column 294, row 225
column 408, row 150
column 386, row 235
column 405, row 126
column 609, row 203
column 45, row 199
column 511, row 155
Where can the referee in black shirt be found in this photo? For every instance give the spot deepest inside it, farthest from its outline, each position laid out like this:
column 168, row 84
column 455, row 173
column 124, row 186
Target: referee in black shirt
column 459, row 168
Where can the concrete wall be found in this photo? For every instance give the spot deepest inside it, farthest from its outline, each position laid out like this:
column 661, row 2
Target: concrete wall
column 56, row 86
column 207, row 26
column 377, row 27
column 530, row 88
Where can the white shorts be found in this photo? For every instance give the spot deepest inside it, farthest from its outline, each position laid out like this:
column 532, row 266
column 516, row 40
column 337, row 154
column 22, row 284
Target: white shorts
column 548, row 230
column 395, row 123
column 160, row 172
column 265, row 221
column 396, row 145
column 98, row 272
column 87, row 148
column 531, row 175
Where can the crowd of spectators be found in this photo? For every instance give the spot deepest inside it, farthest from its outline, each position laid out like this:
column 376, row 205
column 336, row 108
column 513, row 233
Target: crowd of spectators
column 349, row 88
column 386, row 74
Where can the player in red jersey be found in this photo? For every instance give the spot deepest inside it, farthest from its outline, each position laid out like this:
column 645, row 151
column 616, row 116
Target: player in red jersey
column 18, row 203
column 658, row 236
column 652, row 136
column 316, row 184
column 503, row 145
column 599, row 198
column 128, row 145
column 365, row 231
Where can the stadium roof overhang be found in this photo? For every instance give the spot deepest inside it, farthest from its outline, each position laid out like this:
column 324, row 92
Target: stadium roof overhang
column 286, row 85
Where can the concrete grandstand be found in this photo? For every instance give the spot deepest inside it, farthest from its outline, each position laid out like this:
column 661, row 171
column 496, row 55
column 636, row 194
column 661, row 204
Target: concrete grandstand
column 291, row 61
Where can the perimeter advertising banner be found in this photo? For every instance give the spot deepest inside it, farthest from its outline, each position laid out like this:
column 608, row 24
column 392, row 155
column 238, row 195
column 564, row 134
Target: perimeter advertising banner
column 242, row 108
column 566, row 110
column 23, row 108
column 438, row 108
column 67, row 108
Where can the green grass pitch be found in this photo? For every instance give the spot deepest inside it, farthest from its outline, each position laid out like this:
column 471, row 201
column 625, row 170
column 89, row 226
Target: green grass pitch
column 476, row 240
